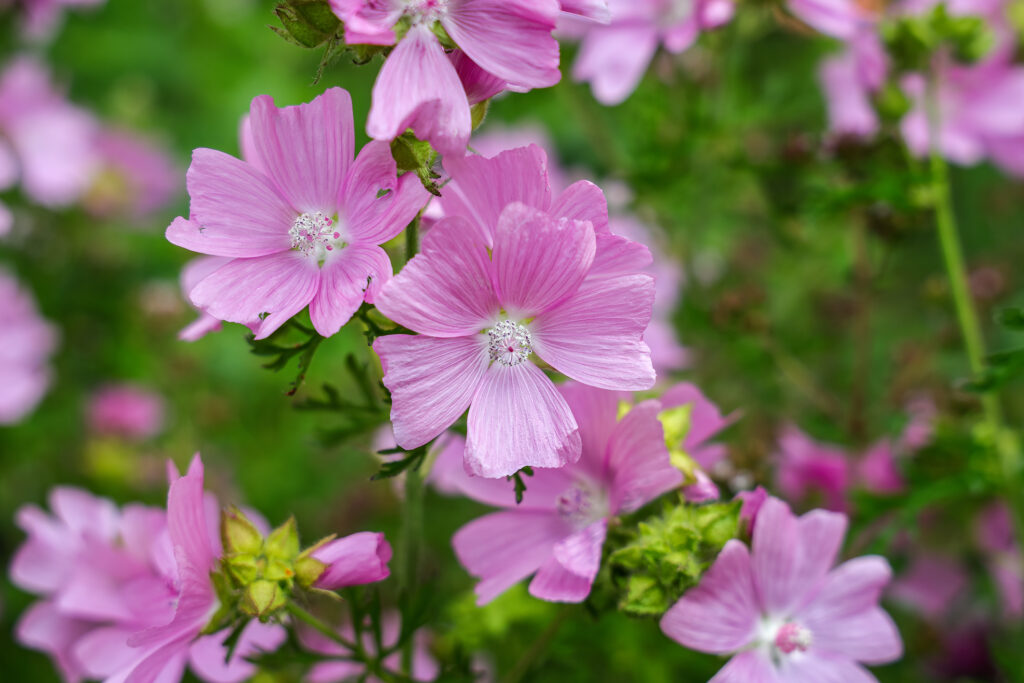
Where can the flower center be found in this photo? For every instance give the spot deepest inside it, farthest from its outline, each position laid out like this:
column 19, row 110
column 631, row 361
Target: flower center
column 581, row 504
column 425, row 11
column 791, row 637
column 315, row 234
column 509, row 343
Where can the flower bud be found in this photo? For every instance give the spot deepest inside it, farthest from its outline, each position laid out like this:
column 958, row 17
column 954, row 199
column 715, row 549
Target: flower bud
column 238, row 535
column 283, row 542
column 261, row 599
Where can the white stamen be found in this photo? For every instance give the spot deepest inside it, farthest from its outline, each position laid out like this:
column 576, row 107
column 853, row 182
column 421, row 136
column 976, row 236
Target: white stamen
column 315, row 234
column 509, row 343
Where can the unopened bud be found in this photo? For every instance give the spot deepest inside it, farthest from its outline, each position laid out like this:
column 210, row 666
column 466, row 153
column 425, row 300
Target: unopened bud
column 238, row 535
column 261, row 599
column 283, row 542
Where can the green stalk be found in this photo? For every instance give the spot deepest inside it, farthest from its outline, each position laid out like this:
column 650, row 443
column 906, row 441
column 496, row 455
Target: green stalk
column 325, row 630
column 410, row 541
column 538, row 647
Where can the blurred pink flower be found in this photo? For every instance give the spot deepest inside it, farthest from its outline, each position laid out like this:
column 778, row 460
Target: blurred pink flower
column 782, row 611
column 752, row 503
column 419, row 88
column 539, row 280
column 43, row 17
column 46, row 139
column 135, row 177
column 614, row 57
column 127, row 411
column 806, row 466
column 127, row 592
column 558, row 530
column 850, row 80
column 299, row 219
column 929, row 585
column 424, row 666
column 995, row 535
column 26, row 343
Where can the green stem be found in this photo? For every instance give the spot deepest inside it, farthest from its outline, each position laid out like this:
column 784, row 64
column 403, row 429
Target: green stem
column 538, row 647
column 412, row 239
column 410, row 542
column 325, row 630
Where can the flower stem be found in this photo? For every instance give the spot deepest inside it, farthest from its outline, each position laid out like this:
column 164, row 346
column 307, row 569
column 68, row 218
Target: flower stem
column 410, row 541
column 538, row 647
column 324, row 629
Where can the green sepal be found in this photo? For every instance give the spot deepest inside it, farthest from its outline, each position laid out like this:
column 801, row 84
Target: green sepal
column 308, row 23
column 308, row 569
column 261, row 599
column 478, row 112
column 283, row 542
column 243, row 569
column 238, row 535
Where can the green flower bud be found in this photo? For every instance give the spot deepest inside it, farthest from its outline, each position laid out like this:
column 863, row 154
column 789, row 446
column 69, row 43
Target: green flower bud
column 283, row 542
column 238, row 535
column 262, row 599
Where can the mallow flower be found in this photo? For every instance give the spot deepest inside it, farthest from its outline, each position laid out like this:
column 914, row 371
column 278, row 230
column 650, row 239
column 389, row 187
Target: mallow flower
column 782, row 610
column 613, row 57
column 125, row 410
column 484, row 310
column 558, row 530
column 26, row 343
column 300, row 219
column 419, row 88
column 128, row 593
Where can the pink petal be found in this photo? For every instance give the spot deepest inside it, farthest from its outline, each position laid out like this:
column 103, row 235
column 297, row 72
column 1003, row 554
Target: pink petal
column 478, row 84
column 752, row 666
column 186, row 517
column 432, row 382
column 105, row 651
column 583, row 201
column 275, row 287
column 447, row 289
column 377, row 205
column 518, row 419
column 307, row 149
column 354, row 560
column 721, row 614
column 538, row 261
column 241, row 213
column 638, row 460
column 836, row 18
column 592, row 9
column 207, row 655
column 596, row 412
column 42, row 627
column 568, row 575
column 347, row 278
column 481, row 188
column 504, row 548
column 164, row 665
column 618, row 256
column 706, row 420
column 509, row 38
column 821, row 667
column 613, row 59
column 418, row 88
column 596, row 336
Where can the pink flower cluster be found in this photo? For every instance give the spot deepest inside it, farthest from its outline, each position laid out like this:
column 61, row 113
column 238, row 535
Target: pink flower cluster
column 60, row 154
column 26, row 342
column 781, row 608
column 125, row 593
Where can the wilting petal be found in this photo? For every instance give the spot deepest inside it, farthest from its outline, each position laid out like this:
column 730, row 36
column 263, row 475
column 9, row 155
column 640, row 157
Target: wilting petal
column 596, row 336
column 262, row 293
column 446, row 290
column 568, row 575
column 307, row 149
column 241, row 213
column 504, row 548
column 354, row 560
column 377, row 205
column 721, row 614
column 509, row 38
column 518, row 419
column 431, row 380
column 539, row 261
column 418, row 88
column 346, row 280
column 481, row 188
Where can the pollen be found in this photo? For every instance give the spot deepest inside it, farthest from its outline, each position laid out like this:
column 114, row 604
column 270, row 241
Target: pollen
column 509, row 343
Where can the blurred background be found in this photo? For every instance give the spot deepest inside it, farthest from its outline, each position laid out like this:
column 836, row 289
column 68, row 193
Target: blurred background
column 804, row 280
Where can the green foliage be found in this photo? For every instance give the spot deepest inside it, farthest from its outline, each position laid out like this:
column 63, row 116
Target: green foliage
column 668, row 554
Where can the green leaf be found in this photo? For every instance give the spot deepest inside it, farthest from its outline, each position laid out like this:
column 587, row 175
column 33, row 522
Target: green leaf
column 1012, row 318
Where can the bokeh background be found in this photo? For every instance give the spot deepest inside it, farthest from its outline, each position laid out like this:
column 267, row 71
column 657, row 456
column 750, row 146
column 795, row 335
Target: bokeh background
column 813, row 293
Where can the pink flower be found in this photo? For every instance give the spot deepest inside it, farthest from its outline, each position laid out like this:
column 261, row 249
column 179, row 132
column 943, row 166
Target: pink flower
column 50, row 141
column 752, row 503
column 994, row 531
column 850, row 81
column 127, row 411
column 484, row 297
column 706, row 420
column 418, row 86
column 43, row 17
column 843, row 19
column 127, row 592
column 135, row 177
column 299, row 220
column 613, row 58
column 559, row 528
column 26, row 342
column 782, row 609
column 930, row 584
column 424, row 666
column 194, row 272
column 806, row 466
